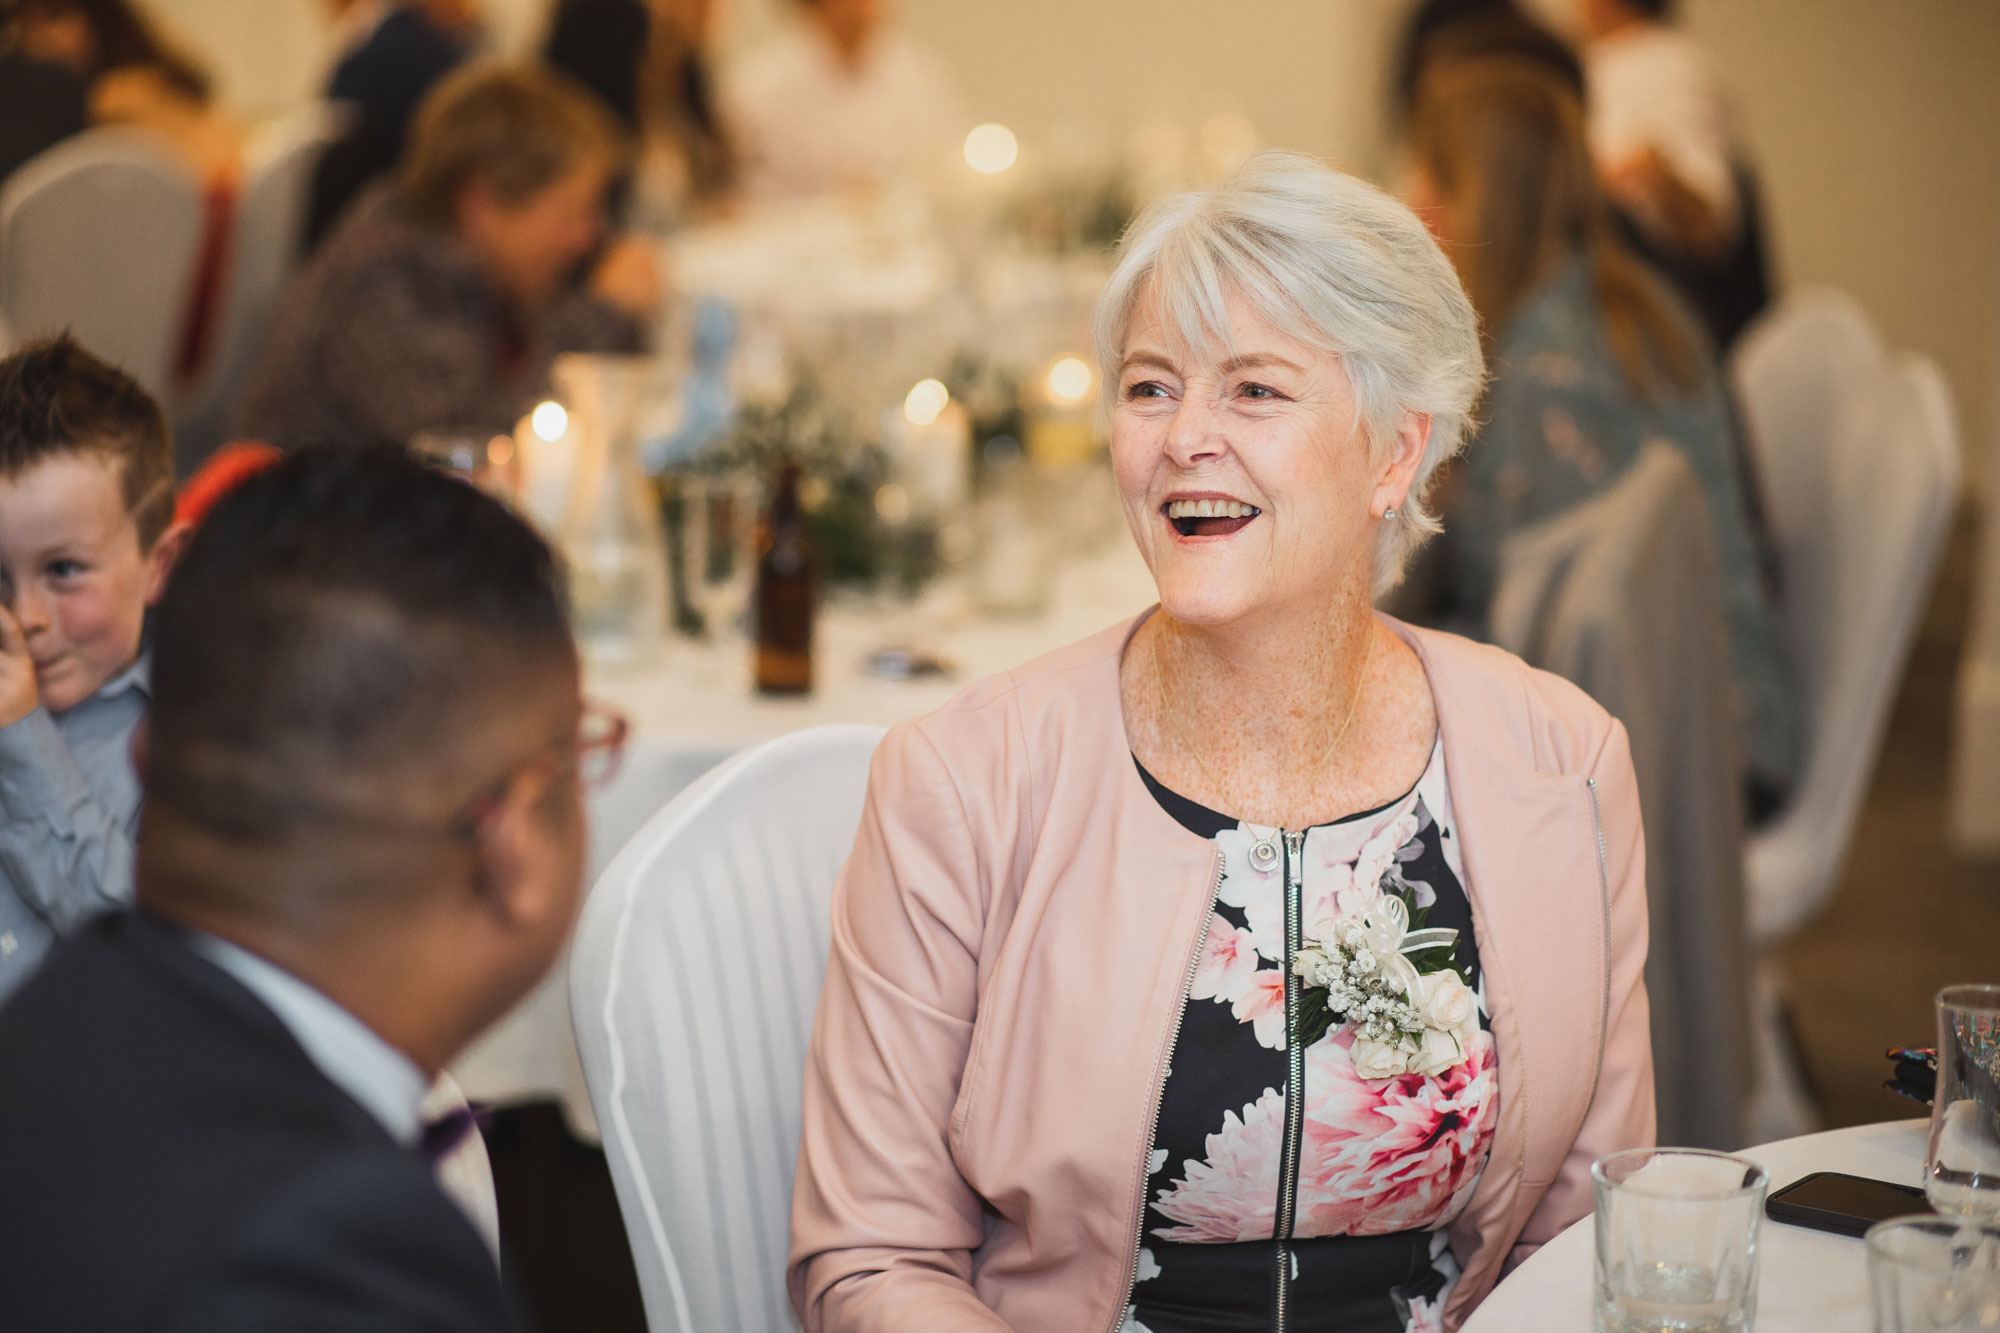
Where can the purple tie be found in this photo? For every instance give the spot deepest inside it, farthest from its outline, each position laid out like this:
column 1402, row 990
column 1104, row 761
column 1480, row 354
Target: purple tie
column 442, row 1136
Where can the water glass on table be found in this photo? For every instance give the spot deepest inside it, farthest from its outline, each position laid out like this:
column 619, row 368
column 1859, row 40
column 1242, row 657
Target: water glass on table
column 1935, row 1275
column 1962, row 1164
column 1677, row 1241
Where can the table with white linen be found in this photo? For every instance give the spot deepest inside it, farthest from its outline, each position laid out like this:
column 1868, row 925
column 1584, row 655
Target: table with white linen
column 695, row 707
column 1808, row 1281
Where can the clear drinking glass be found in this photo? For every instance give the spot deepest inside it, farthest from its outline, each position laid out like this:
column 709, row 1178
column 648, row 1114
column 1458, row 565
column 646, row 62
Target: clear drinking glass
column 612, row 535
column 1962, row 1165
column 1934, row 1275
column 1677, row 1241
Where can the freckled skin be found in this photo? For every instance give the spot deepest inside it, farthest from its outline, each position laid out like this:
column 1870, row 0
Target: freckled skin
column 1263, row 633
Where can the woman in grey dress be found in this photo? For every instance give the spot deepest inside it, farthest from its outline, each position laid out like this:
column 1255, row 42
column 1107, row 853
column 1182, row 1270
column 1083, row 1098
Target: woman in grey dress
column 1591, row 358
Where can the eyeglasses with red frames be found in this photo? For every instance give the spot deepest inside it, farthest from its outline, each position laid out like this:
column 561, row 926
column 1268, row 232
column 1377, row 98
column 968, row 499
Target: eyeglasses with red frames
column 600, row 744
column 597, row 749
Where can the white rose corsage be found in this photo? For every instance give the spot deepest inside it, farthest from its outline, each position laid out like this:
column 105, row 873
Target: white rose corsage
column 1397, row 987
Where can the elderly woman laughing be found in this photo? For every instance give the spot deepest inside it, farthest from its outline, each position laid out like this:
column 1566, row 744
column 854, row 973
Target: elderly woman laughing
column 1261, row 963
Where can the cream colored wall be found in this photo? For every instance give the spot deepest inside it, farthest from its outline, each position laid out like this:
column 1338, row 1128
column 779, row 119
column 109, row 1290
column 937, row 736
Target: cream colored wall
column 1877, row 130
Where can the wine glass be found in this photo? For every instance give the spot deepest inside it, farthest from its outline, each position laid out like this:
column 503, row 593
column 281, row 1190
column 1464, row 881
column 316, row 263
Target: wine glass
column 1962, row 1163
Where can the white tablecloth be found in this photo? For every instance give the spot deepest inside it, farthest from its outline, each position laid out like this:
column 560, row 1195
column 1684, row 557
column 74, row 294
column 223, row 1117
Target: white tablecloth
column 695, row 708
column 1808, row 1281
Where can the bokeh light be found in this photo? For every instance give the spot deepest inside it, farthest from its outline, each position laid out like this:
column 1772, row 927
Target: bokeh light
column 549, row 421
column 1070, row 380
column 990, row 149
column 925, row 401
column 892, row 503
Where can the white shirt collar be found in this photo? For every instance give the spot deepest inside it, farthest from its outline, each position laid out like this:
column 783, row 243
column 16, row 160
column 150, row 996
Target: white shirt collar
column 371, row 1071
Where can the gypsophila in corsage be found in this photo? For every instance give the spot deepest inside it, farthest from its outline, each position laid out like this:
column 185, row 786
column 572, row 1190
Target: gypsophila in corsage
column 1396, row 986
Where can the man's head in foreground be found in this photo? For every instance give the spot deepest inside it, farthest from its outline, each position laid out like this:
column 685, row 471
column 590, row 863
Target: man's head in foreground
column 363, row 753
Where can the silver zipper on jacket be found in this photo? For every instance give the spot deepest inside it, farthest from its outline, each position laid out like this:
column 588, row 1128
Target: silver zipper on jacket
column 1159, row 1091
column 1604, row 908
column 1295, row 1075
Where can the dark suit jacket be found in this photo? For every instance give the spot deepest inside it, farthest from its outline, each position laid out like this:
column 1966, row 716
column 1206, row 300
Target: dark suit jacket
column 384, row 80
column 170, row 1159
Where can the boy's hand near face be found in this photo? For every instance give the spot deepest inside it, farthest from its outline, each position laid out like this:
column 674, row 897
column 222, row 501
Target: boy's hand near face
column 19, row 695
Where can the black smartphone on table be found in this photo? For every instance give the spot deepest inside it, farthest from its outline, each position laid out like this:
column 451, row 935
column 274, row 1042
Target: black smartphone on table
column 1843, row 1204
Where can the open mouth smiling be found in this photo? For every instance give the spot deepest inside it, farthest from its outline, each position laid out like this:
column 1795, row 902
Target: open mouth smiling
column 1209, row 517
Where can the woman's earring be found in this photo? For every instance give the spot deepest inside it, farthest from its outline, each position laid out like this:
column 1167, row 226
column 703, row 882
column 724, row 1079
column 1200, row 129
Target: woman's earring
column 1389, row 514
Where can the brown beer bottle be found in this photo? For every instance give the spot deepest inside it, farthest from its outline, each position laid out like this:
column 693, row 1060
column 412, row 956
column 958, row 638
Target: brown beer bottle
column 785, row 592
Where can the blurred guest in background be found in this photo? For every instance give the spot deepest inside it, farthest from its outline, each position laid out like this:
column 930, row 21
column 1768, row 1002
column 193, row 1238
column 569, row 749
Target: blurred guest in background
column 43, row 100
column 391, row 55
column 1665, row 142
column 1460, row 29
column 135, row 77
column 364, row 844
column 1079, row 1055
column 87, row 535
column 1592, row 357
column 648, row 60
column 442, row 299
column 841, row 101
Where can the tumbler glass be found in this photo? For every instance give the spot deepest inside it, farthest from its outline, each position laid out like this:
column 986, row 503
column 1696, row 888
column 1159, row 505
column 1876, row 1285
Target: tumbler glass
column 1962, row 1165
column 1934, row 1275
column 1677, row 1241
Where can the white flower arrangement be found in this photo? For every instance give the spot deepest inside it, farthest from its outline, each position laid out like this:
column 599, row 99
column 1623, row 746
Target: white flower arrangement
column 1396, row 989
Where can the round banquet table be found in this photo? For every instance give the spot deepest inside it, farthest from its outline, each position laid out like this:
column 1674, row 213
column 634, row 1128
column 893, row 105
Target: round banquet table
column 695, row 707
column 1808, row 1281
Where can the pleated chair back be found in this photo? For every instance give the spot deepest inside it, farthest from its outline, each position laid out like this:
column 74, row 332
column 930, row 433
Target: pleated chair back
column 98, row 236
column 1858, row 450
column 694, row 977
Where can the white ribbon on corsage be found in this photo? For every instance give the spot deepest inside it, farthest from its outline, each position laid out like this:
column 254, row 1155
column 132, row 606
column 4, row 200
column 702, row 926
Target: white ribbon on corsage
column 1384, row 930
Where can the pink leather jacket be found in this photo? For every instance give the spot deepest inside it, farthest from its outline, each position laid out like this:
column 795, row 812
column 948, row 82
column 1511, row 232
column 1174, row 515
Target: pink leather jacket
column 1013, row 939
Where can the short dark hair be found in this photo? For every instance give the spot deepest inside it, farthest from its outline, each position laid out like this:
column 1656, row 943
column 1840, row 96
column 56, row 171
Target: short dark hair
column 337, row 622
column 1652, row 9
column 517, row 129
column 58, row 399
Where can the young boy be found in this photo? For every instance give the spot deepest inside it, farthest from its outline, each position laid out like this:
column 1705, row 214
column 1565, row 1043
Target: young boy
column 86, row 540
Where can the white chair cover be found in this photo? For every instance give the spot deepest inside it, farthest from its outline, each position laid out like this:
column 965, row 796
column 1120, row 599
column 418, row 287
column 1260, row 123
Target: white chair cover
column 531, row 1053
column 1860, row 463
column 98, row 235
column 264, row 253
column 1859, row 456
column 694, row 978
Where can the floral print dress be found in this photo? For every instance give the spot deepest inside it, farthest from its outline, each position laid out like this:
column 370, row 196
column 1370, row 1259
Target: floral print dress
column 1331, row 1219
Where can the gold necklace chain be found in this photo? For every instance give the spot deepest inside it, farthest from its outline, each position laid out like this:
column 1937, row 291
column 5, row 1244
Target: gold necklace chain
column 1173, row 720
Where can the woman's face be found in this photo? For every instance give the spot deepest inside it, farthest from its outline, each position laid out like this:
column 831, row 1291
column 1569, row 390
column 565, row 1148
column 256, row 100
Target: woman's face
column 530, row 247
column 1246, row 479
column 56, row 35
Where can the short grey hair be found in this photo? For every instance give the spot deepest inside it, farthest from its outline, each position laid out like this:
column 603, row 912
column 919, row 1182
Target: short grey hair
column 1336, row 263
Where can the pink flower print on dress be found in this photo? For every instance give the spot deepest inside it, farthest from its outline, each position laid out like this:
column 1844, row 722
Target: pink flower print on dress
column 1258, row 894
column 1379, row 852
column 1263, row 1007
column 1320, row 896
column 1392, row 1154
column 1232, row 1195
column 1228, row 963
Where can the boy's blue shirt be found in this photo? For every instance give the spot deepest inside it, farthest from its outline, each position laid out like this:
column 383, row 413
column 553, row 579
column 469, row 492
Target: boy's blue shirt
column 69, row 818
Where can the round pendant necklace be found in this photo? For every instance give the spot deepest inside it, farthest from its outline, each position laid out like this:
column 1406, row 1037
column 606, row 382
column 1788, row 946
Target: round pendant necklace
column 1264, row 852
